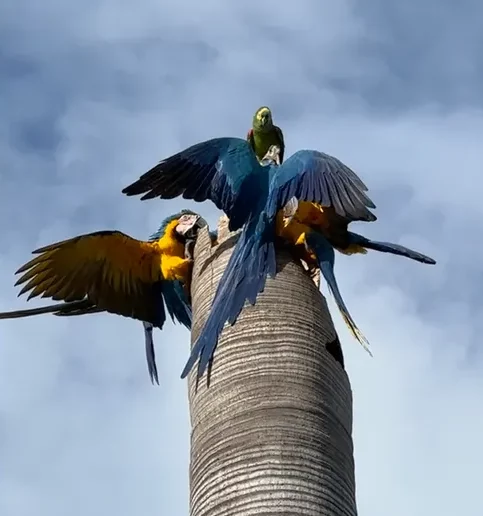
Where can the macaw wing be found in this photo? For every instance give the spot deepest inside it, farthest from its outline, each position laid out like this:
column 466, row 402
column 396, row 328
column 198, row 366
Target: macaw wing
column 211, row 170
column 113, row 271
column 177, row 303
column 317, row 177
column 251, row 138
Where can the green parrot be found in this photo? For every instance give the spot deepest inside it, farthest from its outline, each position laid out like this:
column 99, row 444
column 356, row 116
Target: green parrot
column 264, row 134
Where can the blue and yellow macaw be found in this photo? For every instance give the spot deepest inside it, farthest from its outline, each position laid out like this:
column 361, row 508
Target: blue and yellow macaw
column 108, row 271
column 315, row 231
column 227, row 172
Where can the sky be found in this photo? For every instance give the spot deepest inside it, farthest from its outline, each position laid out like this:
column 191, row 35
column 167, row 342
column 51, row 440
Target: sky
column 94, row 93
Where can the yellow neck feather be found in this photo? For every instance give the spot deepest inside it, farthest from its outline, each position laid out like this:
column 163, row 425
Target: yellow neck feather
column 169, row 244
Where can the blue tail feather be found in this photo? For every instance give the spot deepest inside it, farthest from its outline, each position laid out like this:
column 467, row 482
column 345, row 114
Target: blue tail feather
column 150, row 354
column 245, row 275
column 325, row 255
column 388, row 247
column 219, row 313
column 179, row 308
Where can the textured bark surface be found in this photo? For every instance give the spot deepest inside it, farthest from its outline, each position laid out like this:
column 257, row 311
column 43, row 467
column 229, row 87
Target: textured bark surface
column 272, row 433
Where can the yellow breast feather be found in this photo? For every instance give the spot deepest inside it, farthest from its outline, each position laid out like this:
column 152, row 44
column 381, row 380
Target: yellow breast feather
column 174, row 265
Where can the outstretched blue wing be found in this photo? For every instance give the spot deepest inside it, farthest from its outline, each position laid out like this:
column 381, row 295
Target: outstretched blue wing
column 220, row 170
column 317, row 177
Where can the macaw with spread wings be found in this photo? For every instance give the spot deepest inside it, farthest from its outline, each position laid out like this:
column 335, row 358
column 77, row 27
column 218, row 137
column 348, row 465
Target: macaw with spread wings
column 109, row 271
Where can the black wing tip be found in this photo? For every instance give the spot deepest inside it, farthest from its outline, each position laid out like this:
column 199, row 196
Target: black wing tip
column 139, row 189
column 370, row 217
column 135, row 188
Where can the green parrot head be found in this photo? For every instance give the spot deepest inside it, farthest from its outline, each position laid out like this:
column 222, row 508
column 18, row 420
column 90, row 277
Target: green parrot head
column 262, row 120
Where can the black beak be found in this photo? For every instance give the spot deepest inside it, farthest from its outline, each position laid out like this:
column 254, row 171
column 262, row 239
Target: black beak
column 192, row 233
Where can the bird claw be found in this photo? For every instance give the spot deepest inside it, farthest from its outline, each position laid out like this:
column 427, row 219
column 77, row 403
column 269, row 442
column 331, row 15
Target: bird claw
column 290, row 209
column 272, row 155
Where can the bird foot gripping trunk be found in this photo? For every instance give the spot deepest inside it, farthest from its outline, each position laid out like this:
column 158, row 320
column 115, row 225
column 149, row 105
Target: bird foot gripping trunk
column 272, row 432
column 313, row 273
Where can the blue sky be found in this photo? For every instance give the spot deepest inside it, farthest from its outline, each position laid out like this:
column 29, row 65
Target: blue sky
column 93, row 93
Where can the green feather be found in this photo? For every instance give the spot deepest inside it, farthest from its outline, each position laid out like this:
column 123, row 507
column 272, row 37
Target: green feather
column 265, row 134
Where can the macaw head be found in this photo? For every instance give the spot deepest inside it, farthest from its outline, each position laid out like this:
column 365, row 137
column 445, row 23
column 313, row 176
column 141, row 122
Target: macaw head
column 184, row 226
column 187, row 224
column 262, row 120
column 272, row 156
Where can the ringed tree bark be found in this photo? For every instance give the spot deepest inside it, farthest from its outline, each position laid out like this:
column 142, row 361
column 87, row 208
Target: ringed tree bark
column 271, row 434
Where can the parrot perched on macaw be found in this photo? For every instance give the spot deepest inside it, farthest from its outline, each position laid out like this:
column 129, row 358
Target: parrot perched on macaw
column 263, row 134
column 227, row 172
column 108, row 271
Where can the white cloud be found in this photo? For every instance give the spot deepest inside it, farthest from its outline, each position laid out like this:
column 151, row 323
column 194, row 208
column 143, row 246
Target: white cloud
column 93, row 95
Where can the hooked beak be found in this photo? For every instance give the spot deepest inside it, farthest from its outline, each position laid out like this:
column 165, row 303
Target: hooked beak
column 189, row 227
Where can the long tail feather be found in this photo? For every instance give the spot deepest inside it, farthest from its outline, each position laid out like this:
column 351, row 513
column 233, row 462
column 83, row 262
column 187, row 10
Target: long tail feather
column 388, row 247
column 245, row 275
column 79, row 311
column 326, row 257
column 72, row 308
column 150, row 353
column 208, row 339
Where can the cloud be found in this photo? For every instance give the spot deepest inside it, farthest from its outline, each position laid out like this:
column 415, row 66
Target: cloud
column 94, row 94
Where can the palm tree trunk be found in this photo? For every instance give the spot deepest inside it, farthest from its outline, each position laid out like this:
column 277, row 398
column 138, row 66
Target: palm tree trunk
column 271, row 434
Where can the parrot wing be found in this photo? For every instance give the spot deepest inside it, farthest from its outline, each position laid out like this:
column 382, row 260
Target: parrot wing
column 113, row 271
column 251, row 138
column 215, row 170
column 279, row 134
column 317, row 177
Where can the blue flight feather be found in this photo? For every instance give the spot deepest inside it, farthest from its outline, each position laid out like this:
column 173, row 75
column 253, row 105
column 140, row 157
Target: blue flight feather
column 387, row 247
column 325, row 256
column 150, row 353
column 315, row 176
column 222, row 170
